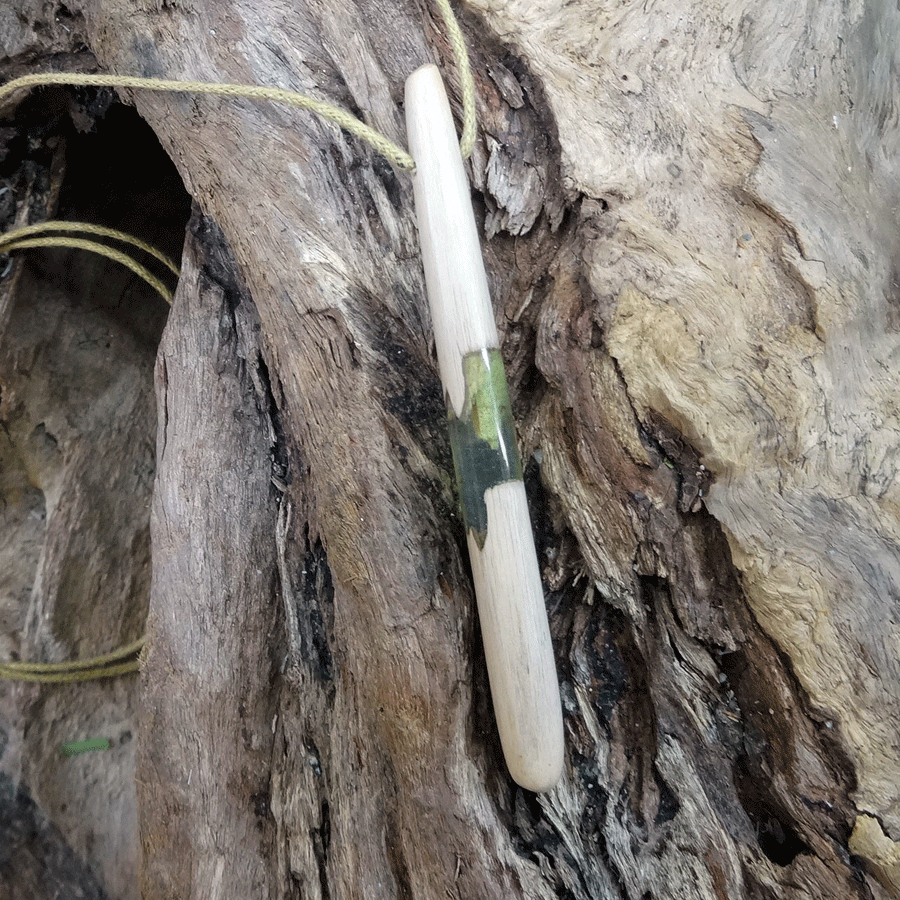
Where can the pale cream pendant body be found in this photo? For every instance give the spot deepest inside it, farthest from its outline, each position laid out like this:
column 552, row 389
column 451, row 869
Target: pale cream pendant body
column 517, row 646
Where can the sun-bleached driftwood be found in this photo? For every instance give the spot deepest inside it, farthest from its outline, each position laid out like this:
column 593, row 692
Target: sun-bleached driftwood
column 689, row 216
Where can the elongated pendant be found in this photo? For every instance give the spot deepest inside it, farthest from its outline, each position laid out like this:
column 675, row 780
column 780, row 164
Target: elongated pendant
column 508, row 588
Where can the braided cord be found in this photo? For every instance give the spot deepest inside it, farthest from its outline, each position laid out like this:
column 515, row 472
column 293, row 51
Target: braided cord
column 337, row 115
column 467, row 83
column 341, row 117
column 106, row 666
column 95, row 247
column 85, row 228
column 70, row 675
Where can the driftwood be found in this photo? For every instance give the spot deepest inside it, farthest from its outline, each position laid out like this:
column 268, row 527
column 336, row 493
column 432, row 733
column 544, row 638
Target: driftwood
column 690, row 231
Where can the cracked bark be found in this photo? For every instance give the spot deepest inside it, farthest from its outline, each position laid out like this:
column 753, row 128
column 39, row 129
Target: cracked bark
column 693, row 263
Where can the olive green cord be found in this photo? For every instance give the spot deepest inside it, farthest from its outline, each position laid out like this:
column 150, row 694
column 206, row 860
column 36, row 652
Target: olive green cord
column 112, row 664
column 94, row 247
column 69, row 676
column 467, row 82
column 33, row 236
column 85, row 228
column 251, row 92
column 108, row 665
column 94, row 662
column 341, row 117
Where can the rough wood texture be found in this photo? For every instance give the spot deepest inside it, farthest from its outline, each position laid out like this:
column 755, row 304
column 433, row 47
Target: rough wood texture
column 76, row 558
column 757, row 316
column 77, row 478
column 208, row 704
column 78, row 338
column 693, row 261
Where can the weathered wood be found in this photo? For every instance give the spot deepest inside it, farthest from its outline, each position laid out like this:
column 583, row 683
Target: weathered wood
column 77, row 459
column 692, row 259
column 36, row 861
column 207, row 703
column 76, row 470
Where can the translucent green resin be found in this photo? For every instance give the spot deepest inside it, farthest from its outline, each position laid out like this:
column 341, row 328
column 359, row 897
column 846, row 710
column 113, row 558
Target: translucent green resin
column 483, row 438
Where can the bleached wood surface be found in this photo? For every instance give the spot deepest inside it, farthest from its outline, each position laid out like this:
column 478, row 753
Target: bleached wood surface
column 720, row 292
column 462, row 316
column 511, row 612
column 517, row 647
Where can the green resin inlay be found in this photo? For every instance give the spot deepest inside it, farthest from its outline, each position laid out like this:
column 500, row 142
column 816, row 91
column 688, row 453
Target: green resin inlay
column 483, row 438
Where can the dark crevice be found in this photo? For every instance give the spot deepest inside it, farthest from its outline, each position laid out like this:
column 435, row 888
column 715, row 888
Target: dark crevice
column 546, row 536
column 396, row 856
column 668, row 806
column 675, row 451
column 321, row 842
column 218, row 265
column 261, row 802
column 271, row 406
column 408, row 386
column 778, row 841
column 315, row 610
column 527, row 384
column 607, row 650
column 777, row 837
column 162, row 415
column 752, row 689
column 386, row 174
column 117, row 174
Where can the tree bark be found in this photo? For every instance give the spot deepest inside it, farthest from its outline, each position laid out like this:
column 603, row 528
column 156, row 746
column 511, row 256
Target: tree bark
column 689, row 221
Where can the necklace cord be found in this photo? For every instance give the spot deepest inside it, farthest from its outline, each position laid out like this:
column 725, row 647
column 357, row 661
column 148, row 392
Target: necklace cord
column 385, row 146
